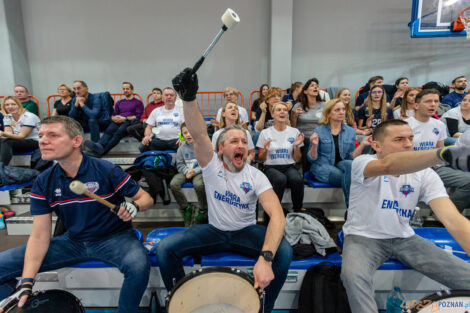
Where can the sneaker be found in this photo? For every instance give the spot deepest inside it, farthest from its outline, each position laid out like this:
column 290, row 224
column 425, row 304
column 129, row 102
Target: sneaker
column 187, row 215
column 200, row 217
column 94, row 146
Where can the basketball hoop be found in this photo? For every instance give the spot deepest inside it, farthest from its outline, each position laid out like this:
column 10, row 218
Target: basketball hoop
column 462, row 22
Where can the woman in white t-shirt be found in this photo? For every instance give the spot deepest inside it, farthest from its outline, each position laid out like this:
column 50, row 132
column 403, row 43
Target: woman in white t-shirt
column 406, row 108
column 458, row 118
column 230, row 116
column 21, row 129
column 279, row 149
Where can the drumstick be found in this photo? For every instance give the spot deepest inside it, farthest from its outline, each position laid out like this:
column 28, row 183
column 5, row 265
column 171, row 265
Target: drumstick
column 79, row 188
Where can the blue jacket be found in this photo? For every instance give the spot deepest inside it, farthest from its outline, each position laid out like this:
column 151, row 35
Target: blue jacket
column 97, row 106
column 325, row 161
column 453, row 99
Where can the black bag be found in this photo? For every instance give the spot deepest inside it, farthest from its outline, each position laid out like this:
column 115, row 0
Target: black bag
column 320, row 216
column 322, row 290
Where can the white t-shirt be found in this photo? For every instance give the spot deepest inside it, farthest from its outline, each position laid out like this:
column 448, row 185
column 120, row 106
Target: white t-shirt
column 397, row 113
column 215, row 136
column 282, row 145
column 242, row 113
column 456, row 114
column 26, row 119
column 428, row 134
column 380, row 207
column 232, row 197
column 168, row 122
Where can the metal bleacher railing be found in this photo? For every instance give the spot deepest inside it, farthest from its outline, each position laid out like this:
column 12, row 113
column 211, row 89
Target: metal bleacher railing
column 35, row 100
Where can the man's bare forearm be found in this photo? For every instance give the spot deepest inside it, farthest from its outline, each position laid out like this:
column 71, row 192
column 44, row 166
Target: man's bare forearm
column 194, row 120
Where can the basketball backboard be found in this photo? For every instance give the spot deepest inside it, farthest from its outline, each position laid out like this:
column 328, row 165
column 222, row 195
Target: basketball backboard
column 432, row 18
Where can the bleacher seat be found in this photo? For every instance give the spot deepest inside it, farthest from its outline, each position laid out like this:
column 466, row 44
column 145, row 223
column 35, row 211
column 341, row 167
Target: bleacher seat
column 16, row 186
column 315, row 183
column 157, row 235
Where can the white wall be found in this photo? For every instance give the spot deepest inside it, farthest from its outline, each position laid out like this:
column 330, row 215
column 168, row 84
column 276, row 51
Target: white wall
column 147, row 42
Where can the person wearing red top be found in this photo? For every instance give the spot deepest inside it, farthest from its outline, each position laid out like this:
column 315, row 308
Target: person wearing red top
column 137, row 130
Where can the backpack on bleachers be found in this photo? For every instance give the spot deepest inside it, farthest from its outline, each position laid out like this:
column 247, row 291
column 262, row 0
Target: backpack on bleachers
column 151, row 160
column 10, row 175
column 322, row 290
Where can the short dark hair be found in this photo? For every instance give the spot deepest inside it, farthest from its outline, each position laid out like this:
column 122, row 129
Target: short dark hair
column 127, row 83
column 424, row 92
column 183, row 125
column 81, row 83
column 398, row 81
column 157, row 89
column 455, row 79
column 373, row 79
column 381, row 129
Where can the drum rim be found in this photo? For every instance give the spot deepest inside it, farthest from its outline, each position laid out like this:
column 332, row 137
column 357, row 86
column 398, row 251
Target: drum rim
column 53, row 291
column 442, row 294
column 207, row 270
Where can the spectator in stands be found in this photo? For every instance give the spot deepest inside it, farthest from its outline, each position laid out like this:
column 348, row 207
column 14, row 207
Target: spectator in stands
column 21, row 129
column 306, row 115
column 189, row 170
column 401, row 85
column 383, row 196
column 279, row 150
column 263, row 115
column 294, row 92
column 344, row 94
column 406, row 108
column 94, row 232
column 163, row 125
column 138, row 130
column 22, row 94
column 64, row 104
column 430, row 133
column 263, row 91
column 458, row 119
column 126, row 112
column 90, row 110
column 375, row 109
column 230, row 116
column 231, row 95
column 332, row 147
column 454, row 98
column 374, row 80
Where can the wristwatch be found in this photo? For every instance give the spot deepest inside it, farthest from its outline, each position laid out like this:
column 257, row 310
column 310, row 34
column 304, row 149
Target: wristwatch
column 267, row 255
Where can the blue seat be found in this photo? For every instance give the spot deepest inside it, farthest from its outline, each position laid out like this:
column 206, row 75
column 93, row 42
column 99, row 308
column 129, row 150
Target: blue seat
column 227, row 259
column 23, row 153
column 305, row 263
column 315, row 183
column 157, row 235
column 16, row 186
column 187, row 185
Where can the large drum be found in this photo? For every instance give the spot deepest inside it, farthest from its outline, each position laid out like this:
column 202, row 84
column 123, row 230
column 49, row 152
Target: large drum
column 214, row 289
column 445, row 301
column 50, row 301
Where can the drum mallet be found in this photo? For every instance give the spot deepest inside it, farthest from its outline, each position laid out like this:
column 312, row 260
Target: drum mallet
column 80, row 189
column 229, row 19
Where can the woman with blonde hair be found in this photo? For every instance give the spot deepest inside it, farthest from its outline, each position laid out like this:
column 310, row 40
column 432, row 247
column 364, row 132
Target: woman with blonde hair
column 21, row 129
column 230, row 116
column 332, row 147
column 375, row 109
column 406, row 108
column 63, row 105
column 344, row 94
column 279, row 150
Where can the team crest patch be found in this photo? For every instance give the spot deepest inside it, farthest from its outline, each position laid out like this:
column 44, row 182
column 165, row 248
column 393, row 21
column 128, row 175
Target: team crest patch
column 291, row 140
column 406, row 190
column 220, row 174
column 435, row 131
column 92, row 186
column 176, row 114
column 246, row 187
column 58, row 192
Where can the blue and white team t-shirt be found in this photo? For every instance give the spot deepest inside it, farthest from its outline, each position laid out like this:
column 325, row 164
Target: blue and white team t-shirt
column 281, row 147
column 380, row 207
column 232, row 197
column 27, row 119
column 427, row 134
column 216, row 135
column 168, row 122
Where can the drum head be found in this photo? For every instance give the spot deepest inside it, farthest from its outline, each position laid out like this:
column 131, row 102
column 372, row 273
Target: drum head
column 50, row 301
column 214, row 289
column 445, row 301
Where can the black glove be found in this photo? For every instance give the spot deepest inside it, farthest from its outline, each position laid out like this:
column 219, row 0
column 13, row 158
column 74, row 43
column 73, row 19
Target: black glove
column 21, row 290
column 457, row 156
column 131, row 207
column 186, row 84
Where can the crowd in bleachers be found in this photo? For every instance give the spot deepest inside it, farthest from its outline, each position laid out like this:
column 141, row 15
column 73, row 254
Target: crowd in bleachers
column 307, row 132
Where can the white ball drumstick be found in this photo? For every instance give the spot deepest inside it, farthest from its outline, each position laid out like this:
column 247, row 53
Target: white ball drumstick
column 80, row 189
column 229, row 19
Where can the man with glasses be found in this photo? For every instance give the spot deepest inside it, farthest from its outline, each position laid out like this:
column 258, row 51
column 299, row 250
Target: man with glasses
column 231, row 95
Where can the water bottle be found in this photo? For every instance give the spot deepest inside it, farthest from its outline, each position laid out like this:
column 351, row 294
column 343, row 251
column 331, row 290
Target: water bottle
column 416, row 219
column 395, row 301
column 2, row 222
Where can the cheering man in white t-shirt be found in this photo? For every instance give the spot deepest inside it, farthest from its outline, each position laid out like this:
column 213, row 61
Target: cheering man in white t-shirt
column 233, row 189
column 430, row 133
column 382, row 200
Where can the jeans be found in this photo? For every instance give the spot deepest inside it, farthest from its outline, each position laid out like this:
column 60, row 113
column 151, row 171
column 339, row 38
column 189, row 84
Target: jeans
column 206, row 239
column 340, row 176
column 114, row 133
column 137, row 131
column 282, row 176
column 8, row 146
column 460, row 181
column 362, row 256
column 122, row 250
column 198, row 184
column 160, row 144
column 94, row 126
